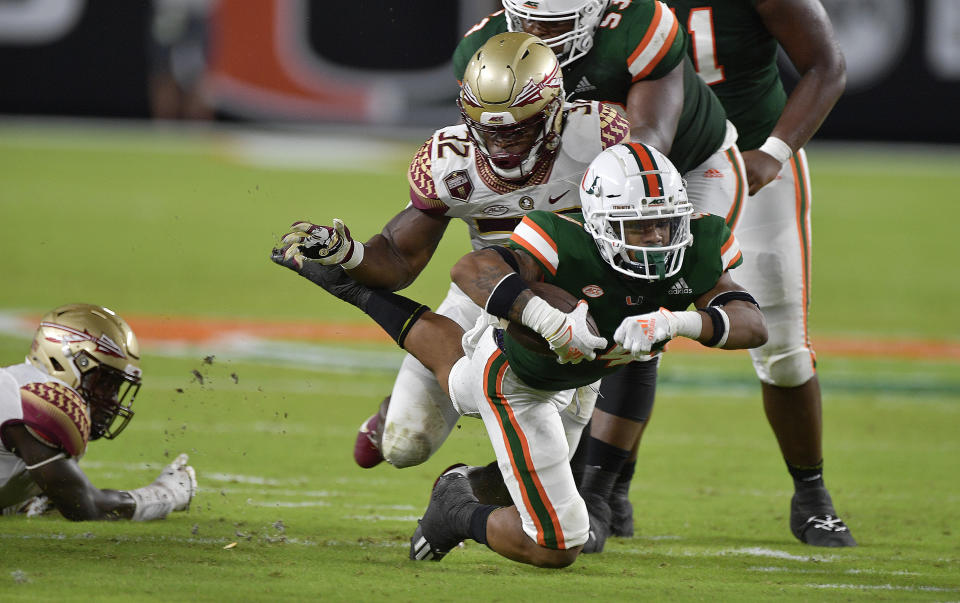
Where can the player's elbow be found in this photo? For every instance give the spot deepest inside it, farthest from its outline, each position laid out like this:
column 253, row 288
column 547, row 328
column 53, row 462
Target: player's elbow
column 756, row 331
column 748, row 329
column 465, row 268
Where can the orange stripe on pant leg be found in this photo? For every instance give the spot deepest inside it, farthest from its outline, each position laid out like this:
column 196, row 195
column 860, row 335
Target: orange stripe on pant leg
column 733, row 156
column 525, row 448
column 800, row 186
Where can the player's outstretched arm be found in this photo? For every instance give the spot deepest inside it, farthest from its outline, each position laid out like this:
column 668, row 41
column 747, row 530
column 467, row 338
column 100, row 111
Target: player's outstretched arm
column 726, row 317
column 496, row 279
column 803, row 29
column 390, row 260
column 75, row 496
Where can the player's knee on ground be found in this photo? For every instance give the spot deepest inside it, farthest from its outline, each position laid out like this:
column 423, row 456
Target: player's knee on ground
column 555, row 558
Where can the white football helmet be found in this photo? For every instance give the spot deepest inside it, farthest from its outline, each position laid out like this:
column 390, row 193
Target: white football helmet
column 635, row 182
column 513, row 89
column 95, row 352
column 585, row 16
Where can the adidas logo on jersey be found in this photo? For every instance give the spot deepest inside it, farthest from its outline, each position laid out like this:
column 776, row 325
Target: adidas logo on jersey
column 713, row 173
column 680, row 288
column 584, row 85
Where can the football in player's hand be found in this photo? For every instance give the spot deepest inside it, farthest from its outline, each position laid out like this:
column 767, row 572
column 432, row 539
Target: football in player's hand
column 559, row 299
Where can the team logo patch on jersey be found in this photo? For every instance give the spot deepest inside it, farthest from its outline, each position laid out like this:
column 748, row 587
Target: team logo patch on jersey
column 526, row 203
column 634, row 301
column 458, row 185
column 592, row 291
column 496, row 210
column 680, row 288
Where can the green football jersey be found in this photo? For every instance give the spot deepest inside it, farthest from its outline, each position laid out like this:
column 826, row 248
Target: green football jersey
column 737, row 56
column 569, row 258
column 641, row 41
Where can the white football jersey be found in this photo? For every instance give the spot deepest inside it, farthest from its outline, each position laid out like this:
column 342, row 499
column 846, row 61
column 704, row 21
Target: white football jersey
column 449, row 177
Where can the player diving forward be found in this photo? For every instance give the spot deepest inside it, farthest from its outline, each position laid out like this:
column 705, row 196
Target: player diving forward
column 631, row 53
column 77, row 384
column 520, row 148
column 640, row 258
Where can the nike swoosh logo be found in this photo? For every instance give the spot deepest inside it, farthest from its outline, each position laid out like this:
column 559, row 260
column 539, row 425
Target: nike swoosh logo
column 553, row 200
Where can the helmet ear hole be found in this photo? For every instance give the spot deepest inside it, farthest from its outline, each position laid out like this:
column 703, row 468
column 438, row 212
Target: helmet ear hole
column 56, row 365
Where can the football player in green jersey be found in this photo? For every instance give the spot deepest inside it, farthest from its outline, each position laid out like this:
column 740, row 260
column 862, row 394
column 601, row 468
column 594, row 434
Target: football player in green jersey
column 632, row 53
column 640, row 257
column 735, row 51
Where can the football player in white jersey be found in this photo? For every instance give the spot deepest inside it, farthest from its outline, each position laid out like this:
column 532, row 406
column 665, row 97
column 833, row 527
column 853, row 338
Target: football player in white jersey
column 520, row 148
column 77, row 384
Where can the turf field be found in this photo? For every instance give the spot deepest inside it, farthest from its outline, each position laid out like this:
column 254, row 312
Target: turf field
column 263, row 380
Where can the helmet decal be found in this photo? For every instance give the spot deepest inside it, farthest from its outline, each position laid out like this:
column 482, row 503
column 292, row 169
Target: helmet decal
column 104, row 344
column 469, row 96
column 532, row 92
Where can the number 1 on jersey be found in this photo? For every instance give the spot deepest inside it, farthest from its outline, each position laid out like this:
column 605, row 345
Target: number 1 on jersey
column 700, row 26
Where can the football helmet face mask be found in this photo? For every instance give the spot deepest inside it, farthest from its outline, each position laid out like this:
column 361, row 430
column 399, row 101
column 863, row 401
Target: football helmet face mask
column 93, row 351
column 582, row 17
column 631, row 183
column 511, row 100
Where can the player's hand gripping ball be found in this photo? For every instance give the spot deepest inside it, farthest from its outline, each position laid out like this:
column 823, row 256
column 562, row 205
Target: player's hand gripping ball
column 559, row 299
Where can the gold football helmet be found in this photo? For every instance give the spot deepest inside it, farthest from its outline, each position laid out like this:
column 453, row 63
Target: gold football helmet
column 511, row 99
column 93, row 351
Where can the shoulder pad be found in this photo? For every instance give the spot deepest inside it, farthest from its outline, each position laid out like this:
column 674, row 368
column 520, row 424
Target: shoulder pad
column 614, row 127
column 423, row 190
column 58, row 414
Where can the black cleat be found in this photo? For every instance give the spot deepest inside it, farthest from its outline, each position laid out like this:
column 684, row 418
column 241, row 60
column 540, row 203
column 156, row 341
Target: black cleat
column 595, row 488
column 814, row 521
column 437, row 531
column 621, row 510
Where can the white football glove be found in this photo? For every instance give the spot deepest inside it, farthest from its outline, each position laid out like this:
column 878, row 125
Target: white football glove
column 639, row 334
column 171, row 491
column 327, row 245
column 566, row 332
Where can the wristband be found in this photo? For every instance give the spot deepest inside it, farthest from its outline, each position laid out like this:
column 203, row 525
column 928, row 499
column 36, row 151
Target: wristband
column 355, row 257
column 777, row 149
column 689, row 324
column 542, row 317
column 721, row 327
column 505, row 294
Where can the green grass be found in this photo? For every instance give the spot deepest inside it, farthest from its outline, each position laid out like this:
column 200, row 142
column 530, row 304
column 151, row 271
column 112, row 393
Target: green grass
column 176, row 225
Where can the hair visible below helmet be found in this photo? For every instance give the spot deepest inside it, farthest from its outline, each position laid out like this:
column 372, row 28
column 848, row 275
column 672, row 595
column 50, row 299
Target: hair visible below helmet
column 635, row 182
column 511, row 84
column 570, row 46
column 93, row 351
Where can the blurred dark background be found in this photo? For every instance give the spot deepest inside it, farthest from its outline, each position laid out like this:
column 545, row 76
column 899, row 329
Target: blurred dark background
column 366, row 62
